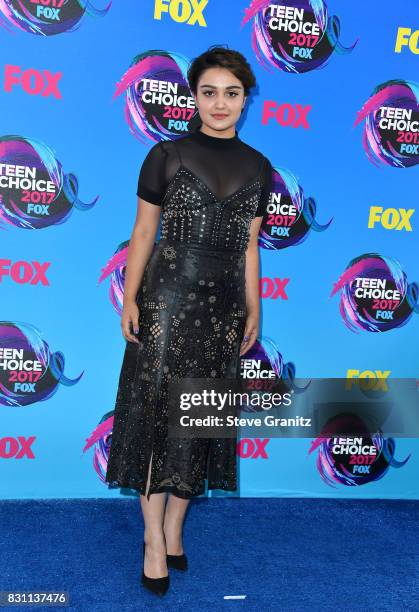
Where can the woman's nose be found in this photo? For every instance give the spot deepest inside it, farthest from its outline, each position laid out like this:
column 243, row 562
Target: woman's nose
column 220, row 103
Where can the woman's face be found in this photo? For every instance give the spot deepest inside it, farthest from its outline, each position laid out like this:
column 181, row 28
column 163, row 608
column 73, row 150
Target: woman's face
column 219, row 98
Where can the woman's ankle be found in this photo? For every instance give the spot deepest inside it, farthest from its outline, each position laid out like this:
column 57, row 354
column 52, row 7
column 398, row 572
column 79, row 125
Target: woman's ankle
column 173, row 540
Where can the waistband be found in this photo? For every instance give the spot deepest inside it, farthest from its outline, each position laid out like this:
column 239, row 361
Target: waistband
column 196, row 246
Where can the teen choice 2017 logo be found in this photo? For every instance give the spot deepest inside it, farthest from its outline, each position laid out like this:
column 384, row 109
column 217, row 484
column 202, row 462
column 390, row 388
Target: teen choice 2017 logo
column 34, row 191
column 158, row 102
column 294, row 35
column 29, row 372
column 355, row 461
column 391, row 128
column 47, row 17
column 289, row 215
column 263, row 370
column 375, row 295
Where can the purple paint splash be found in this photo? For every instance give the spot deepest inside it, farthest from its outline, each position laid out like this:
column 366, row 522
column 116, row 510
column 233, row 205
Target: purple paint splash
column 115, row 268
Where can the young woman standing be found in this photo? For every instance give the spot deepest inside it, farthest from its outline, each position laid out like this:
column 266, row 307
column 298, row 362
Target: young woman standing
column 191, row 303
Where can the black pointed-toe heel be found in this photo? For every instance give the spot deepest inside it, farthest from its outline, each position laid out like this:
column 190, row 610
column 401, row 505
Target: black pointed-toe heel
column 158, row 586
column 179, row 562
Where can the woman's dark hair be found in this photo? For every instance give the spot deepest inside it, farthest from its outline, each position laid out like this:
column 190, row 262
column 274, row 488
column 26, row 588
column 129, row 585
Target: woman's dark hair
column 222, row 56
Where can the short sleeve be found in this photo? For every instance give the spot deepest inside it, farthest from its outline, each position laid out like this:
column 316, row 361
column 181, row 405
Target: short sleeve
column 151, row 181
column 267, row 172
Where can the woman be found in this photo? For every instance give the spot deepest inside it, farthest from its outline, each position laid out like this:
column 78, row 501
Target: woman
column 192, row 302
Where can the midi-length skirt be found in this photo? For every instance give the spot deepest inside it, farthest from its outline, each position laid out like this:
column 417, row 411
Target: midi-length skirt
column 192, row 315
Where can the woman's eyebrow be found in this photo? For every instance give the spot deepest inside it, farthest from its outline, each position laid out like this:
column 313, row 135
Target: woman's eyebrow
column 215, row 87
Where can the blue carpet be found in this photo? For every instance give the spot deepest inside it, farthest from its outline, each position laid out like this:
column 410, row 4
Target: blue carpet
column 283, row 554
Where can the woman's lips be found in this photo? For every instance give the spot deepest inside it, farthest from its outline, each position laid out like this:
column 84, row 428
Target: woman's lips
column 219, row 116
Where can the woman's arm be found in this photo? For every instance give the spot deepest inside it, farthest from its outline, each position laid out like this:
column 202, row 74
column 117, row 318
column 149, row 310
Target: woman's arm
column 252, row 287
column 139, row 250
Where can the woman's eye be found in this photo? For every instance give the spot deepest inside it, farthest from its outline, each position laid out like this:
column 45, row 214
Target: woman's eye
column 231, row 93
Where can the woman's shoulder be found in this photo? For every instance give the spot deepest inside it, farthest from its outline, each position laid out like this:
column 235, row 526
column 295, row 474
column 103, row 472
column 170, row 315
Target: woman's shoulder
column 158, row 148
column 161, row 151
column 252, row 151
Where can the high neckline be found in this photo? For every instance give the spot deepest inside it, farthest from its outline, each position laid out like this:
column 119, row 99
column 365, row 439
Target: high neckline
column 215, row 141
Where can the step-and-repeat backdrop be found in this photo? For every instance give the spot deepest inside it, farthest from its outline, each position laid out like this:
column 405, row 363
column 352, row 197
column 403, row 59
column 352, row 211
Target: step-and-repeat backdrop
column 88, row 87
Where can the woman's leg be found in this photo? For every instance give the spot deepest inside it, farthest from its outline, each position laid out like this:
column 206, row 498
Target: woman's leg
column 173, row 524
column 155, row 565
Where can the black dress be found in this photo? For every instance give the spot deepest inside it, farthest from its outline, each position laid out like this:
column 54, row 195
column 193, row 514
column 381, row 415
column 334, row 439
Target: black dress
column 192, row 308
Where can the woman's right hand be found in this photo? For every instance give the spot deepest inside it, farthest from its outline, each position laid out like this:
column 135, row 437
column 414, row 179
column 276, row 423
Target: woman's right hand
column 130, row 314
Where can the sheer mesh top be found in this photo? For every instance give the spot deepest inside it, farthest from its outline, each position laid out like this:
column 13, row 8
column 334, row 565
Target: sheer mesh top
column 222, row 165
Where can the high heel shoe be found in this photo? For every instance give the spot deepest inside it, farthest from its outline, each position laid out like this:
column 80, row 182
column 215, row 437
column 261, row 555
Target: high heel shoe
column 159, row 586
column 179, row 562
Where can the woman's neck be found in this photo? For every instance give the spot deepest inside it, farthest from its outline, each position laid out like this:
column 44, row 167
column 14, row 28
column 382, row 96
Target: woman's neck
column 215, row 141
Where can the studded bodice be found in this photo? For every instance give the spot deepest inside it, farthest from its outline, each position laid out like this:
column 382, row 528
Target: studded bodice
column 209, row 188
column 192, row 213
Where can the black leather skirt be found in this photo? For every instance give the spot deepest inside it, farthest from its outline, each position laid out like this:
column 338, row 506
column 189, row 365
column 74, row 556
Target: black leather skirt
column 192, row 315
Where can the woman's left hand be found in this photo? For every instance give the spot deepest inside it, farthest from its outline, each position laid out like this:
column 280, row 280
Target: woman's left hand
column 250, row 333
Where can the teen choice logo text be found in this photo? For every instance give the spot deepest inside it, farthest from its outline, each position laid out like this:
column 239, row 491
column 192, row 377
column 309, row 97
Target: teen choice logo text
column 264, row 371
column 158, row 101
column 29, row 372
column 355, row 461
column 34, row 191
column 289, row 214
column 375, row 294
column 294, row 35
column 391, row 128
